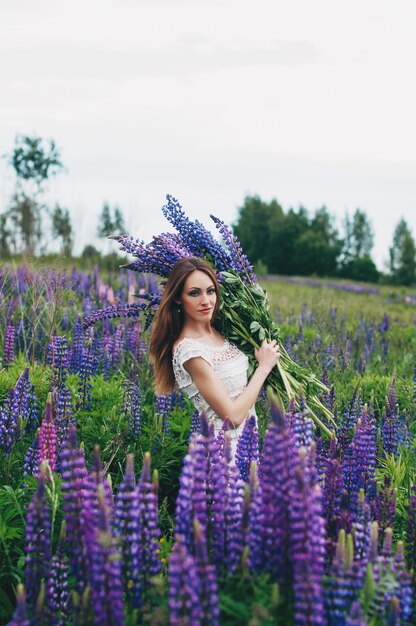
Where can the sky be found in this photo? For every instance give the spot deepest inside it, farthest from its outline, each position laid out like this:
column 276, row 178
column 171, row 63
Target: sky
column 311, row 103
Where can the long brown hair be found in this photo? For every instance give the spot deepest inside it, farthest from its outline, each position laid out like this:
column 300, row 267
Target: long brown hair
column 169, row 320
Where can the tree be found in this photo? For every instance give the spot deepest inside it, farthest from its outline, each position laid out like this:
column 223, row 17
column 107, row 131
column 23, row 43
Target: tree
column 62, row 228
column 109, row 225
column 252, row 227
column 359, row 236
column 34, row 161
column 403, row 255
column 4, row 237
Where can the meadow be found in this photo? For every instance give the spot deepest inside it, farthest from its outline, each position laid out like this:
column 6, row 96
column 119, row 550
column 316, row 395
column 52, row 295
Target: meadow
column 108, row 515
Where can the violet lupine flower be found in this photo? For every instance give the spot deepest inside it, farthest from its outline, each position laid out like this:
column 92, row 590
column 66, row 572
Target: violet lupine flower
column 356, row 617
column 64, row 420
column 164, row 406
column 58, row 359
column 184, row 587
column 144, row 534
column 233, row 512
column 383, row 505
column 8, row 423
column 343, row 583
column 239, row 261
column 38, row 541
column 196, row 237
column 195, row 423
column 88, row 367
column 307, row 545
column 389, row 428
column 361, row 529
column 332, row 489
column 192, row 500
column 8, row 353
column 104, row 565
column 119, row 310
column 47, row 438
column 247, row 447
column 96, row 479
column 77, row 349
column 57, row 589
column 279, row 458
column 364, row 448
column 132, row 407
column 207, row 577
column 252, row 520
column 74, row 489
column 302, row 425
column 20, row 617
column 18, row 412
column 31, row 461
column 127, row 525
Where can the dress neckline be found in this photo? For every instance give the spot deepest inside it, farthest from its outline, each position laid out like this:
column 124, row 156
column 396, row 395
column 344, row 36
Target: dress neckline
column 223, row 347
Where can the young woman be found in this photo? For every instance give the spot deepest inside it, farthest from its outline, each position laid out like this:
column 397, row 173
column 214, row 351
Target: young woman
column 189, row 352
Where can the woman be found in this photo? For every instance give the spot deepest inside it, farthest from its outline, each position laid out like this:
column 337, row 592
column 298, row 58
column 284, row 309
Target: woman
column 189, row 352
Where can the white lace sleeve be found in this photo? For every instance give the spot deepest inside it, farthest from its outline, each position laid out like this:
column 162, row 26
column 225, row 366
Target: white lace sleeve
column 185, row 350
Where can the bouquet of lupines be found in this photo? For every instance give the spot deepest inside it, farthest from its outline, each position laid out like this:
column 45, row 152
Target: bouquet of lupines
column 245, row 319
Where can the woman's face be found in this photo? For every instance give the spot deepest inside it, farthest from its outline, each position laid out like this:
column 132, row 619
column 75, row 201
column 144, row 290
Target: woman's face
column 198, row 297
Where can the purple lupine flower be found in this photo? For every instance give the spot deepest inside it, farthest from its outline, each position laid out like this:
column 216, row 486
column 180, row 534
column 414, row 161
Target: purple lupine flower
column 184, row 587
column 57, row 589
column 239, row 261
column 8, row 352
column 132, row 406
column 361, row 529
column 58, row 359
column 64, row 420
column 144, row 535
column 104, row 565
column 18, row 412
column 389, row 426
column 164, row 406
column 20, row 617
column 31, row 461
column 88, row 366
column 47, row 438
column 356, row 617
column 127, row 526
column 191, row 503
column 74, row 489
column 343, row 583
column 252, row 520
column 196, row 237
column 365, row 449
column 8, row 423
column 307, row 545
column 233, row 512
column 77, row 349
column 383, row 505
column 119, row 310
column 207, row 576
column 195, row 423
column 38, row 541
column 332, row 489
column 279, row 458
column 247, row 447
column 302, row 425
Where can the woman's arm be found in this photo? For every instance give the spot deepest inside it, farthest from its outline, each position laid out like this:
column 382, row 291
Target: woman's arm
column 213, row 389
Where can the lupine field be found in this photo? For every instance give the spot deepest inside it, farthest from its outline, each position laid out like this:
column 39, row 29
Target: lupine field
column 119, row 507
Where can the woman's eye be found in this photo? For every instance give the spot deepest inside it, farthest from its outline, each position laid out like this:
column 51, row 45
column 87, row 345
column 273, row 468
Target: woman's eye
column 211, row 291
column 193, row 293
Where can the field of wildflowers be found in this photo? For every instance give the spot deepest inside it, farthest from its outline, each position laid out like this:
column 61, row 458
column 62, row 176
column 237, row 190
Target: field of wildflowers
column 119, row 507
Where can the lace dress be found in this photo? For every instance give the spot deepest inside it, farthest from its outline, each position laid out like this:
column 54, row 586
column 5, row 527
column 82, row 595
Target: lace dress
column 227, row 361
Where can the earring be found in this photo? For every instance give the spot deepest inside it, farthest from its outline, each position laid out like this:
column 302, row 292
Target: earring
column 179, row 309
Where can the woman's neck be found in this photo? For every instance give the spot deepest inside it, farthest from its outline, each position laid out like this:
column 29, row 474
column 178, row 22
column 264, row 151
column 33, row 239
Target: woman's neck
column 195, row 331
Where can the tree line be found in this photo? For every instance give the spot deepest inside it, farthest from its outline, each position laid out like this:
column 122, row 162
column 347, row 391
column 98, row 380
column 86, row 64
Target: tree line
column 294, row 242
column 28, row 223
column 297, row 242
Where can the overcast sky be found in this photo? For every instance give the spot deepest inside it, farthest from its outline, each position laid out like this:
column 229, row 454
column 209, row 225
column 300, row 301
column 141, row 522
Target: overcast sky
column 312, row 103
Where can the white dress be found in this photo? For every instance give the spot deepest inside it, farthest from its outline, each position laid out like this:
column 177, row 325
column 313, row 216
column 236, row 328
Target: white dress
column 227, row 361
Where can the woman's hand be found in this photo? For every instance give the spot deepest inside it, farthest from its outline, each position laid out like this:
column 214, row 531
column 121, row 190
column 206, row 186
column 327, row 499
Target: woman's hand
column 267, row 355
